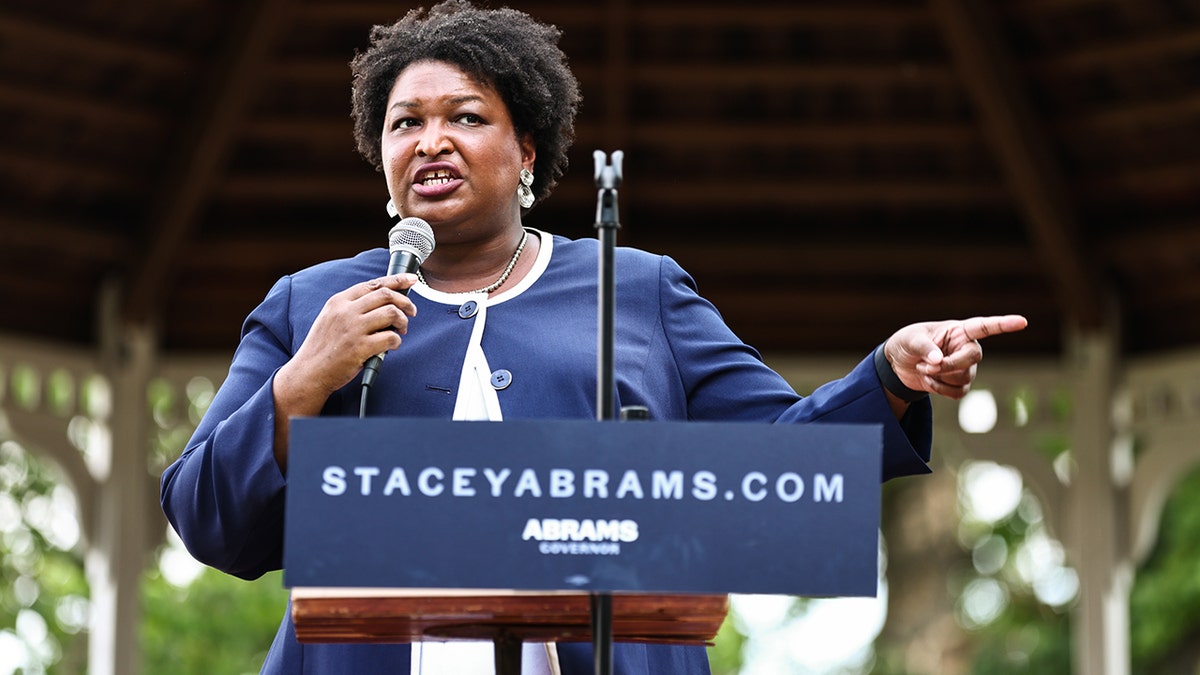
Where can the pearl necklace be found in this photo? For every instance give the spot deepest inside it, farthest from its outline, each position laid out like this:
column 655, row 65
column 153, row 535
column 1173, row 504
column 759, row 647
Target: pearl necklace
column 503, row 275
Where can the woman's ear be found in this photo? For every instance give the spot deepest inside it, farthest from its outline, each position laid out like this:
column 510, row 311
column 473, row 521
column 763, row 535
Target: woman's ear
column 528, row 150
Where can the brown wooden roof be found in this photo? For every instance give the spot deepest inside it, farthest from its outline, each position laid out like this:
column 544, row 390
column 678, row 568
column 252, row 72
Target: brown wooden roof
column 827, row 170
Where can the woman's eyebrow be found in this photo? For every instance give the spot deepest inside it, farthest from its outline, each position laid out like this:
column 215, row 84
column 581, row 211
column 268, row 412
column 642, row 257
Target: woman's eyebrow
column 454, row 100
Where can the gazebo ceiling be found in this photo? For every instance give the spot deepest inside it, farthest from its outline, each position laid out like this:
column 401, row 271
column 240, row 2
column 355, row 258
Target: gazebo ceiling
column 827, row 170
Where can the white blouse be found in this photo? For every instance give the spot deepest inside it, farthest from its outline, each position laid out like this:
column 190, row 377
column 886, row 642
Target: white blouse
column 477, row 400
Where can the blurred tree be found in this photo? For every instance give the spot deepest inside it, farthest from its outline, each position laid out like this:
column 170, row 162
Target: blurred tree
column 215, row 624
column 963, row 589
column 1165, row 602
column 725, row 656
column 1032, row 632
column 43, row 590
column 923, row 561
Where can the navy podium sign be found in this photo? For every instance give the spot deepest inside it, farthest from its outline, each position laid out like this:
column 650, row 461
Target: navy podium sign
column 583, row 505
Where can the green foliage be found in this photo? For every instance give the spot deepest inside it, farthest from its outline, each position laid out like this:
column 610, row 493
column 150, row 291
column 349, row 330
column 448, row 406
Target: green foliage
column 219, row 624
column 1027, row 638
column 216, row 625
column 1024, row 634
column 1165, row 602
column 43, row 590
column 725, row 655
column 1164, row 605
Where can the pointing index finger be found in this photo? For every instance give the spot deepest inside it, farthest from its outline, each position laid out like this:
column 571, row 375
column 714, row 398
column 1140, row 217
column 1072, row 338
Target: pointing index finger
column 980, row 327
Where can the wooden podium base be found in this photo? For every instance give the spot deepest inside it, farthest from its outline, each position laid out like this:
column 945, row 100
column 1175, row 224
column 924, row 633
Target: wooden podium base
column 390, row 615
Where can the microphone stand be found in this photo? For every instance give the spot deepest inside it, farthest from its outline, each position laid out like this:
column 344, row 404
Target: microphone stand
column 608, row 177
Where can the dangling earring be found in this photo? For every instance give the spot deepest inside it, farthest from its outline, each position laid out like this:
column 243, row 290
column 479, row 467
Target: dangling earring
column 524, row 193
column 392, row 210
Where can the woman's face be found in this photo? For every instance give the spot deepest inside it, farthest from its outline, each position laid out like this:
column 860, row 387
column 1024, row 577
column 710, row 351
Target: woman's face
column 450, row 152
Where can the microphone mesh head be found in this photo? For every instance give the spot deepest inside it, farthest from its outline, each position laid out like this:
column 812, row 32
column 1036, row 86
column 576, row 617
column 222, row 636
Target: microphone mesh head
column 413, row 235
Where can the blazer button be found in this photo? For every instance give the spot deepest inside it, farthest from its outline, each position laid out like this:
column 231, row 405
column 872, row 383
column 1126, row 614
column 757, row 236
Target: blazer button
column 468, row 309
column 501, row 379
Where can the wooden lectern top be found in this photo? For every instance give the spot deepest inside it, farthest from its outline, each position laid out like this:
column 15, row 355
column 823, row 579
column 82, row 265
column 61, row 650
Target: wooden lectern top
column 397, row 615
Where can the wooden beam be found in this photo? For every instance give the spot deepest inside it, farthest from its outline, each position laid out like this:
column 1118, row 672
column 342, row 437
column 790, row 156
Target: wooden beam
column 797, row 192
column 67, row 237
column 314, row 72
column 1022, row 149
column 819, row 134
column 1174, row 179
column 853, row 261
column 63, row 170
column 324, row 130
column 1156, row 248
column 1145, row 50
column 830, row 15
column 1040, row 7
column 701, row 192
column 228, row 254
column 1123, row 117
column 203, row 145
column 617, row 90
column 788, row 74
column 89, row 45
column 39, row 102
column 568, row 15
column 762, row 306
column 38, row 292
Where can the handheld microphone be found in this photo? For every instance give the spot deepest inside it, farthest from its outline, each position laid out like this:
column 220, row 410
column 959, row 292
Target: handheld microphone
column 410, row 242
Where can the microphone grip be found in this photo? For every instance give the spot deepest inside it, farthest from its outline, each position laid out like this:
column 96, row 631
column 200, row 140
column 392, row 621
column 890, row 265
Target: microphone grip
column 401, row 262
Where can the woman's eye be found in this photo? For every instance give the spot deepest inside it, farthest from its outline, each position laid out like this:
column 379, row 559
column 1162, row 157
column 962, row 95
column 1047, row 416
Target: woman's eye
column 404, row 123
column 470, row 118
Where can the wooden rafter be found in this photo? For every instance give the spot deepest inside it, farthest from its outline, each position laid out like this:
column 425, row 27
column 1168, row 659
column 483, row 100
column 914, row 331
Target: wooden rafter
column 203, row 145
column 1181, row 110
column 1149, row 48
column 570, row 14
column 853, row 118
column 71, row 238
column 890, row 74
column 1021, row 148
column 666, row 134
column 73, row 105
column 786, row 192
column 616, row 75
column 46, row 36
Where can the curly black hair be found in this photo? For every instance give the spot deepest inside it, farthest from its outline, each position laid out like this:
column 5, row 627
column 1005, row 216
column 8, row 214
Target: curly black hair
column 505, row 49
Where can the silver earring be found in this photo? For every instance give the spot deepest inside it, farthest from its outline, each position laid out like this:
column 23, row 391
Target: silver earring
column 524, row 193
column 392, row 210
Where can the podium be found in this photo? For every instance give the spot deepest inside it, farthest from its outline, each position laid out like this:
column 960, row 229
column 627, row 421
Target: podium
column 402, row 530
column 409, row 615
column 505, row 618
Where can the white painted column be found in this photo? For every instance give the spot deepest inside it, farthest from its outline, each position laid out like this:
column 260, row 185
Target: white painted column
column 117, row 557
column 1097, row 520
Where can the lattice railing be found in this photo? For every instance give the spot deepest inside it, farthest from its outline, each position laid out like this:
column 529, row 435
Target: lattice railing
column 58, row 401
column 1154, row 420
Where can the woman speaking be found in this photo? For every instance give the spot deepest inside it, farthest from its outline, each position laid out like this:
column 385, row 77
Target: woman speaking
column 468, row 113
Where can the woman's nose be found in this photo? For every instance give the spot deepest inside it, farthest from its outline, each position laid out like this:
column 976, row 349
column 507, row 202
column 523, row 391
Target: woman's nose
column 433, row 141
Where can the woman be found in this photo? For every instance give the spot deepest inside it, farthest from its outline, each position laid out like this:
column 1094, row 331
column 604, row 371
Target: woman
column 468, row 113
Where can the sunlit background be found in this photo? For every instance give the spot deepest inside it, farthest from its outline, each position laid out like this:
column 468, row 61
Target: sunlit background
column 777, row 634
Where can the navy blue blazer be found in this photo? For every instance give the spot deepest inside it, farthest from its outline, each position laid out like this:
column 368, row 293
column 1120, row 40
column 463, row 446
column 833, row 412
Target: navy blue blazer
column 672, row 354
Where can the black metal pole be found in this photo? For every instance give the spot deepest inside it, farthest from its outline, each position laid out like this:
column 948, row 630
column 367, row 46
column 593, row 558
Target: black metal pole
column 608, row 177
column 507, row 653
column 602, row 630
